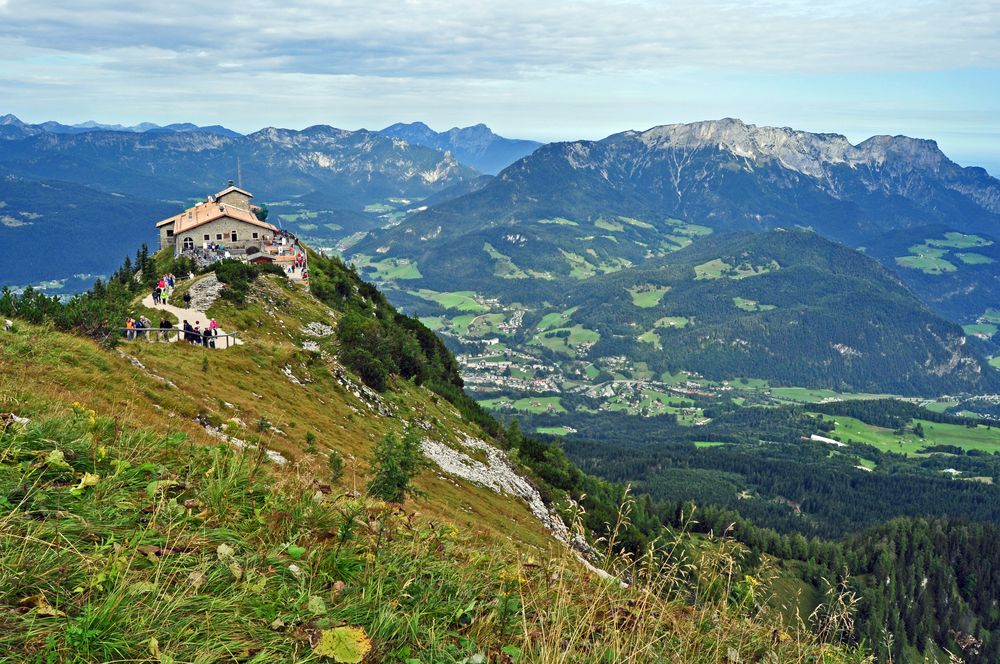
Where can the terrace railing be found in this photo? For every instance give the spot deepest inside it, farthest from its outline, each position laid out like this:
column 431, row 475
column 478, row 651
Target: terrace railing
column 173, row 335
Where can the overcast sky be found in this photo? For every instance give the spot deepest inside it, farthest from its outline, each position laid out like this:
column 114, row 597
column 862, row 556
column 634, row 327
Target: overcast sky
column 528, row 68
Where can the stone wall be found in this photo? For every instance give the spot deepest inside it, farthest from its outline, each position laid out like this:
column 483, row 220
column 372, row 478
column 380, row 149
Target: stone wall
column 166, row 241
column 220, row 232
column 236, row 199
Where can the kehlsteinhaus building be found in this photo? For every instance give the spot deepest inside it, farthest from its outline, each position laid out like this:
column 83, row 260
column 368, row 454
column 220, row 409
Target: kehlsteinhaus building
column 225, row 221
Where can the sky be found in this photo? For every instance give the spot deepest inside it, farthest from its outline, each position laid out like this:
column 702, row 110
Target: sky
column 535, row 69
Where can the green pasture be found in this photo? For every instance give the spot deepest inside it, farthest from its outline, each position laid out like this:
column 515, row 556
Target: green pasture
column 751, row 305
column 974, row 259
column 458, row 300
column 534, row 405
column 556, row 319
column 647, row 295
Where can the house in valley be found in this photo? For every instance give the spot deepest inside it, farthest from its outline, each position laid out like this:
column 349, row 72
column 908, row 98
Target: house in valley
column 225, row 221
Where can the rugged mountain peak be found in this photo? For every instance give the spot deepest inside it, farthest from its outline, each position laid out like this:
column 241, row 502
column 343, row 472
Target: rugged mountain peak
column 917, row 151
column 475, row 145
column 10, row 119
column 805, row 152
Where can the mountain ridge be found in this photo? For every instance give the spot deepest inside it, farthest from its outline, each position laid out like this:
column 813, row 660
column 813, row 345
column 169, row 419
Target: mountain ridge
column 475, row 145
column 727, row 176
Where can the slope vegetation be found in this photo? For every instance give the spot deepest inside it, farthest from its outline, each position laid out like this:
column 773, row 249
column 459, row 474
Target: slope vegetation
column 168, row 503
column 787, row 306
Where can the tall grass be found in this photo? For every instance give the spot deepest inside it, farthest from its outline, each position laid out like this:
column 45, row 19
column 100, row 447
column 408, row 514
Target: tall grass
column 118, row 544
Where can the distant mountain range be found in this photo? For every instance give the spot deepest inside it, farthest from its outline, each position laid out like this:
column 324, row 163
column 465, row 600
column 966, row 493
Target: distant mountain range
column 319, row 169
column 12, row 127
column 725, row 175
column 476, row 146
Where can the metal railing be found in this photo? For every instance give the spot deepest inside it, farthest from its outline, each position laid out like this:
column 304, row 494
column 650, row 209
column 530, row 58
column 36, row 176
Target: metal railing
column 173, row 335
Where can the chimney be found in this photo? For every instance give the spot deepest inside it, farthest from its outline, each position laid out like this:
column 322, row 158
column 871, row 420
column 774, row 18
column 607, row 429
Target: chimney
column 230, row 183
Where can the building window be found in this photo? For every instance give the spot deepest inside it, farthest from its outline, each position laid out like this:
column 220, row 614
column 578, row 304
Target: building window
column 188, row 243
column 207, row 236
column 255, row 236
column 170, row 232
column 218, row 236
column 234, row 236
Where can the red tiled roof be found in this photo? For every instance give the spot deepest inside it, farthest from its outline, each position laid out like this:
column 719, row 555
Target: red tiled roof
column 204, row 213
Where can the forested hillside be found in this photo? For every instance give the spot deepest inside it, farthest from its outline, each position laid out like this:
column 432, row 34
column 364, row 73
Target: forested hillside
column 787, row 306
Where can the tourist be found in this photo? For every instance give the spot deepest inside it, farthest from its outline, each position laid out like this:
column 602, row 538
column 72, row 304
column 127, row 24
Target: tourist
column 206, row 336
column 187, row 331
column 129, row 328
column 196, row 332
column 165, row 327
column 156, row 296
column 187, row 300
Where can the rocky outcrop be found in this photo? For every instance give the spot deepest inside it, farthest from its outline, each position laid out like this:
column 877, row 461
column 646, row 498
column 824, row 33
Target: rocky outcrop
column 239, row 443
column 205, row 292
column 498, row 475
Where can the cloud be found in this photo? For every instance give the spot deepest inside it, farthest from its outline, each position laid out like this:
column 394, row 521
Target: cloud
column 539, row 69
column 517, row 38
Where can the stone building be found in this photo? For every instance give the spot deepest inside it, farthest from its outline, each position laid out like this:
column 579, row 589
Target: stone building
column 226, row 220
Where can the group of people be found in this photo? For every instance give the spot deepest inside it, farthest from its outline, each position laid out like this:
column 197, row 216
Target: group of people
column 135, row 329
column 142, row 328
column 163, row 288
column 193, row 334
column 299, row 264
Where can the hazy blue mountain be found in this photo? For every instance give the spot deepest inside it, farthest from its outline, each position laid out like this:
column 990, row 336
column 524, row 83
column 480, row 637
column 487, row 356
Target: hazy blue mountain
column 68, row 233
column 91, row 126
column 476, row 146
column 333, row 176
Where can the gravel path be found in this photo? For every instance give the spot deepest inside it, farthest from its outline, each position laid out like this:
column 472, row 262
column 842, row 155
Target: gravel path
column 191, row 316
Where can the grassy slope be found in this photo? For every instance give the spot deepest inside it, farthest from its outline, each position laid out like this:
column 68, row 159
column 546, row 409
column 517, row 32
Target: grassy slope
column 249, row 385
column 148, row 540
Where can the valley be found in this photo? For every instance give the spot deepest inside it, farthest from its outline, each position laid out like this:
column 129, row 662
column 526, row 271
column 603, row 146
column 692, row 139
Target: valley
column 747, row 367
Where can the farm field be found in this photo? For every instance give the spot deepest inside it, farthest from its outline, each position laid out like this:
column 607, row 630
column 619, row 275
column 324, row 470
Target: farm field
column 955, row 240
column 974, row 259
column 935, row 433
column 554, row 431
column 556, row 319
column 810, row 395
column 647, row 296
column 477, row 325
column 459, row 300
column 980, row 329
column 565, row 340
column 927, row 259
column 534, row 405
column 751, row 305
column 931, row 257
column 389, row 269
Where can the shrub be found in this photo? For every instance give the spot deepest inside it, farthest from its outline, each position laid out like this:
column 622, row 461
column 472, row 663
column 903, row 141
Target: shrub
column 368, row 368
column 336, row 464
column 394, row 464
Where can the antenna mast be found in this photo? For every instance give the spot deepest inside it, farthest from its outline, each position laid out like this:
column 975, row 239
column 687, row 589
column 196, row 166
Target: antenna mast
column 239, row 173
